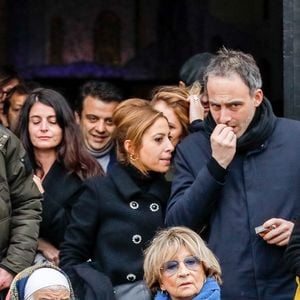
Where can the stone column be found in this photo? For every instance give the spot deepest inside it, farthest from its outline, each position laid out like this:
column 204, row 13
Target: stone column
column 3, row 31
column 291, row 58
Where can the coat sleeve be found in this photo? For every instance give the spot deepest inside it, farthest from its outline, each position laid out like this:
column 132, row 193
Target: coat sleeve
column 80, row 236
column 292, row 252
column 25, row 201
column 194, row 190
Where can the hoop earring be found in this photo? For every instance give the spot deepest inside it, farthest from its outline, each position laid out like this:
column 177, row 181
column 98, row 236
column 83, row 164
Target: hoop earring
column 132, row 157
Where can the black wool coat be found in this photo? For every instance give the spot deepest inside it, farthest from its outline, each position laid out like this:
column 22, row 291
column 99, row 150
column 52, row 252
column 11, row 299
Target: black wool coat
column 61, row 192
column 113, row 221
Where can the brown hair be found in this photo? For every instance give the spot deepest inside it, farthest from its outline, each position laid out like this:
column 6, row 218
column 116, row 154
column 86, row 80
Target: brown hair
column 176, row 98
column 132, row 118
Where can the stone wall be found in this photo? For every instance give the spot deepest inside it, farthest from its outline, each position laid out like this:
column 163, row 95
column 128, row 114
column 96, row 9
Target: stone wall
column 291, row 56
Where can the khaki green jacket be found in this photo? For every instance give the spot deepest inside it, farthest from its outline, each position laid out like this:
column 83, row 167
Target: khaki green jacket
column 20, row 205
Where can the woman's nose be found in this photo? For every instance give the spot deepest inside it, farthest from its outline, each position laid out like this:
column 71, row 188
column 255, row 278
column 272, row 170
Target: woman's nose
column 170, row 147
column 183, row 270
column 44, row 126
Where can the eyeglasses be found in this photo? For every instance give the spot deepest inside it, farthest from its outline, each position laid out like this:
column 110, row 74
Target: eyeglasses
column 171, row 267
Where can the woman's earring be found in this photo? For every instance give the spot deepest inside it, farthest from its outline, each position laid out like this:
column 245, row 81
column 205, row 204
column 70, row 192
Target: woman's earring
column 132, row 157
column 164, row 292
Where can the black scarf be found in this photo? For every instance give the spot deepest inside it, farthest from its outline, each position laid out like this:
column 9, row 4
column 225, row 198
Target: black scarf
column 258, row 131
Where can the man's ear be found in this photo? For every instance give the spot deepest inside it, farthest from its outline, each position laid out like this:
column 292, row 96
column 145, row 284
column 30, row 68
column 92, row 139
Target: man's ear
column 258, row 97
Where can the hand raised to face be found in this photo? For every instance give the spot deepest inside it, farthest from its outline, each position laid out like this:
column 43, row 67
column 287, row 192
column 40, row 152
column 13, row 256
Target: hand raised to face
column 223, row 144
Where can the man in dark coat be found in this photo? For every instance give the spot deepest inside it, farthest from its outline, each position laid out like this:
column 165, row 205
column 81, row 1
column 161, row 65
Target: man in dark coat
column 238, row 178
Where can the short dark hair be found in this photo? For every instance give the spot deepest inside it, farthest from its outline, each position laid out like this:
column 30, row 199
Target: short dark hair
column 24, row 88
column 193, row 69
column 102, row 90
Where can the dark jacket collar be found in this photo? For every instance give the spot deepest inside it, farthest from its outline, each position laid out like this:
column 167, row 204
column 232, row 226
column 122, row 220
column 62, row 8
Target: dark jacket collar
column 129, row 187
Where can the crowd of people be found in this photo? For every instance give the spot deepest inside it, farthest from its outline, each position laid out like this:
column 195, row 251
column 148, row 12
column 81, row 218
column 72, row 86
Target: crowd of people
column 191, row 194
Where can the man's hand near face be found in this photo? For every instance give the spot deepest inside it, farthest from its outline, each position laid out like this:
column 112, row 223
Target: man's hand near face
column 223, row 145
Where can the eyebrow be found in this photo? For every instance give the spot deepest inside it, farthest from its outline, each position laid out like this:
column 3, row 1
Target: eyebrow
column 38, row 116
column 229, row 102
column 159, row 134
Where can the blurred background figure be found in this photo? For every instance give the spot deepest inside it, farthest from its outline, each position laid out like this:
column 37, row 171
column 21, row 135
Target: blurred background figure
column 9, row 78
column 178, row 265
column 49, row 133
column 172, row 102
column 192, row 70
column 117, row 215
column 97, row 102
column 14, row 103
column 41, row 282
column 181, row 106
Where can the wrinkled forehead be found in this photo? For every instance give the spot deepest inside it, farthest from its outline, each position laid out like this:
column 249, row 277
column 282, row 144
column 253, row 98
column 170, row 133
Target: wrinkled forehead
column 48, row 293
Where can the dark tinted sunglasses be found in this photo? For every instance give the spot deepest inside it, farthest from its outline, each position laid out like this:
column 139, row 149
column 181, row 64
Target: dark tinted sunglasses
column 171, row 267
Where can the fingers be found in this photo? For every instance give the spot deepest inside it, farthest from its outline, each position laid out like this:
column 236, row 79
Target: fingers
column 196, row 110
column 223, row 144
column 222, row 130
column 52, row 257
column 223, row 135
column 279, row 233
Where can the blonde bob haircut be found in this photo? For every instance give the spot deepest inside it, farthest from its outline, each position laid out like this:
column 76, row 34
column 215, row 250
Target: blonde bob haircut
column 176, row 98
column 132, row 118
column 164, row 246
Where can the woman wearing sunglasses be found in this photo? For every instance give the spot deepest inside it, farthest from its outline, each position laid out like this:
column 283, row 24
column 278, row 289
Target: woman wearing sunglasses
column 178, row 265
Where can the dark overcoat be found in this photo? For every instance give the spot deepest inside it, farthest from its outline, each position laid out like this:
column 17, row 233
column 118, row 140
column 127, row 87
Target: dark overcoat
column 62, row 190
column 260, row 184
column 113, row 221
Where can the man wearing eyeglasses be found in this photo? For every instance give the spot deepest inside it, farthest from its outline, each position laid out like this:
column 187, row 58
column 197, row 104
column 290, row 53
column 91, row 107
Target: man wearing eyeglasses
column 9, row 78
